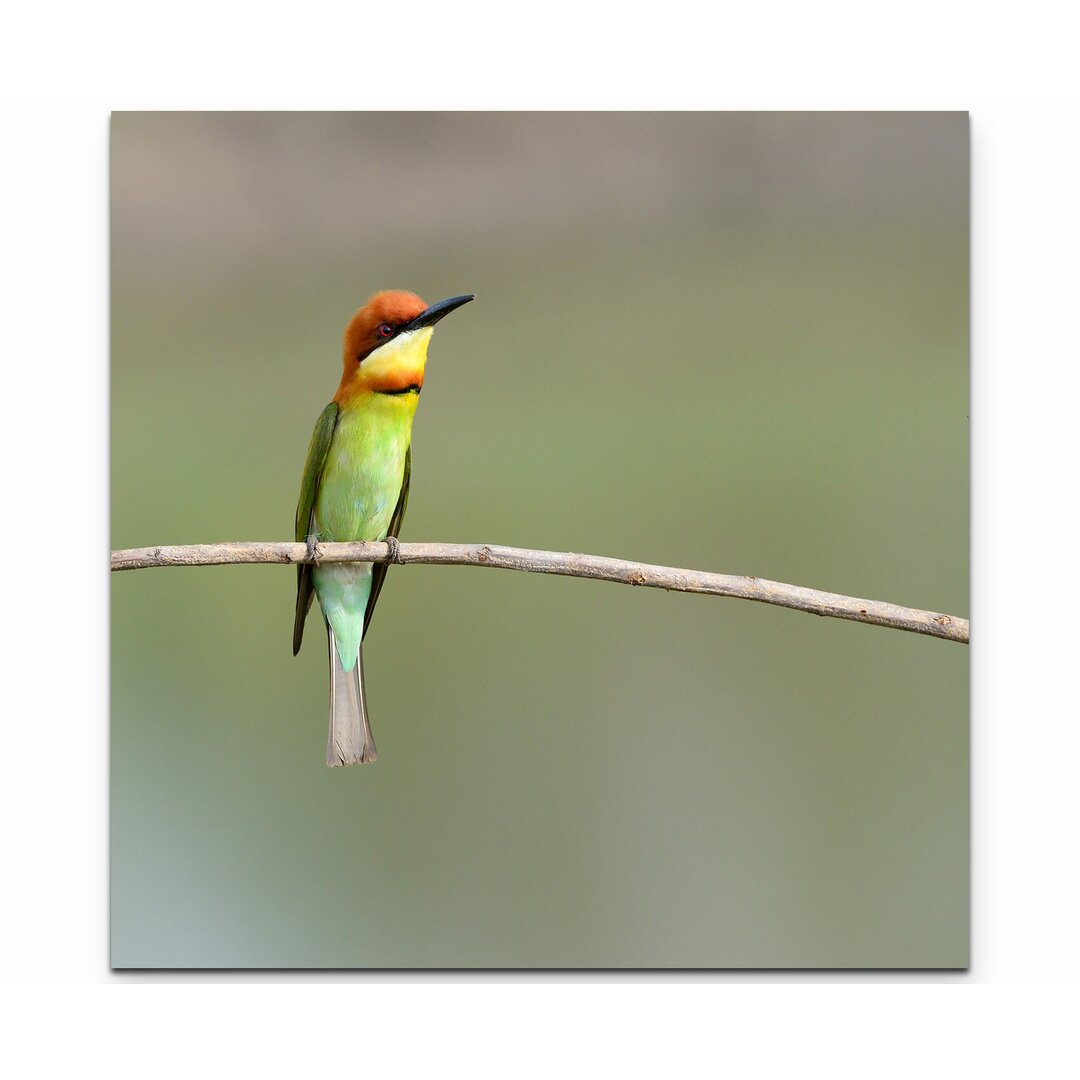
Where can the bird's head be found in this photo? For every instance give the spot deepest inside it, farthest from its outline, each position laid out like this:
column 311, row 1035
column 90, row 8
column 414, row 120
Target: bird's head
column 386, row 343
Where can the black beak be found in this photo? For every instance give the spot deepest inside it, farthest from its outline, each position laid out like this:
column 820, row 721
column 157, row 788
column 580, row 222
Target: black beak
column 434, row 313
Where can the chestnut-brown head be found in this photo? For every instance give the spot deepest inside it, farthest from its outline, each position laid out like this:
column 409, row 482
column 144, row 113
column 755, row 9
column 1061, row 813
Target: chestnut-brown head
column 385, row 345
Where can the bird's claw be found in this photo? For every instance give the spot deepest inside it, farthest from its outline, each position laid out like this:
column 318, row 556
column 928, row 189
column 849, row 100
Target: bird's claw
column 313, row 549
column 394, row 549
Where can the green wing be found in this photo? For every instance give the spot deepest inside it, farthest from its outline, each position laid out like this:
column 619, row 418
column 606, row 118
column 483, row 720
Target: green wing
column 378, row 570
column 316, row 457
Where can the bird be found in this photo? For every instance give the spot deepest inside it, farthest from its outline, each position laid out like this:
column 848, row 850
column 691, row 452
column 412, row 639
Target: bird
column 355, row 486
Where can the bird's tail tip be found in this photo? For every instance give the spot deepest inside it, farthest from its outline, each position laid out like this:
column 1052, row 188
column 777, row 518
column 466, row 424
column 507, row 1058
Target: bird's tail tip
column 339, row 754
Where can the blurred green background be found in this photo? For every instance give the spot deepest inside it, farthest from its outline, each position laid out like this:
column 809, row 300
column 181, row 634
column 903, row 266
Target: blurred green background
column 737, row 342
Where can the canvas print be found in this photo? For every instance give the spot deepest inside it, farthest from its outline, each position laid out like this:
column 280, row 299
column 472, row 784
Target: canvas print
column 540, row 540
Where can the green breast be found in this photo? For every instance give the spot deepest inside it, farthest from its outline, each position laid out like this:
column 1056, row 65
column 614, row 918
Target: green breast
column 364, row 467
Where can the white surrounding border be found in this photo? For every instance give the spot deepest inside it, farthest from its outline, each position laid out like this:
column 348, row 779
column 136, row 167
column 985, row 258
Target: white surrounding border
column 66, row 66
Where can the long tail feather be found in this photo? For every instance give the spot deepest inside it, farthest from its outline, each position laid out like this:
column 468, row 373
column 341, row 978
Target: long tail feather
column 350, row 740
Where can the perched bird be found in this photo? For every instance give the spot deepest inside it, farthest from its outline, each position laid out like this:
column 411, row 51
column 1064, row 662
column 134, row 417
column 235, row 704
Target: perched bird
column 356, row 487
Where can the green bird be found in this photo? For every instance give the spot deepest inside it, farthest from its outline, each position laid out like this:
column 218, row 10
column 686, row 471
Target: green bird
column 356, row 487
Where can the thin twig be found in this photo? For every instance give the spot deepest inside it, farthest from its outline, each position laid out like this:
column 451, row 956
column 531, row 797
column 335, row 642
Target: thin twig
column 567, row 564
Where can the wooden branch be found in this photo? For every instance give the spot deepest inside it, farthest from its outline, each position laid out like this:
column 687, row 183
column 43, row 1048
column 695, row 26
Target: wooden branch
column 566, row 564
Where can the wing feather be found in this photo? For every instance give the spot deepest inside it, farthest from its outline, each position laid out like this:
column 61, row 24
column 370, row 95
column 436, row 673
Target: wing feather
column 318, row 448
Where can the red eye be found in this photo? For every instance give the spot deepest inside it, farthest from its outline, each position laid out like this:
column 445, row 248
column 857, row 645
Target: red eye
column 385, row 331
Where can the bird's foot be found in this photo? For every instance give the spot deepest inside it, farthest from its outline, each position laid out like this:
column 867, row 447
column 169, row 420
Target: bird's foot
column 313, row 549
column 395, row 549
